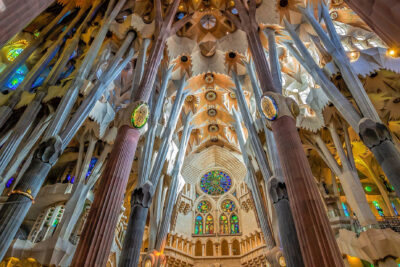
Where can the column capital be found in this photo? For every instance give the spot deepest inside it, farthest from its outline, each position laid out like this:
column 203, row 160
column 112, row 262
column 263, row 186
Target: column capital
column 275, row 106
column 277, row 189
column 373, row 133
column 49, row 150
column 143, row 195
column 135, row 115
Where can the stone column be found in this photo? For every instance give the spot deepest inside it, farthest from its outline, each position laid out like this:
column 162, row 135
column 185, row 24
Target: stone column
column 378, row 139
column 287, row 230
column 17, row 205
column 317, row 242
column 97, row 236
column 17, row 14
column 382, row 17
column 230, row 249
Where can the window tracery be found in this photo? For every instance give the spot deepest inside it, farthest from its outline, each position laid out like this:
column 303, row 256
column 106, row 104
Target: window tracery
column 198, row 228
column 234, row 224
column 209, row 229
column 204, row 206
column 215, row 183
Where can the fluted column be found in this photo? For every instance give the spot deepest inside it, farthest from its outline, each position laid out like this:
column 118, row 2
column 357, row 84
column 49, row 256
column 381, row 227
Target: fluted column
column 288, row 236
column 317, row 242
column 17, row 14
column 97, row 237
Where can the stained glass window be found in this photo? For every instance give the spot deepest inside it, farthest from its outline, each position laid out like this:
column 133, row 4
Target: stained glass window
column 228, row 205
column 198, row 227
column 16, row 48
column 378, row 208
column 223, row 224
column 394, row 208
column 209, row 225
column 91, row 166
column 17, row 77
column 10, row 182
column 345, row 210
column 204, row 206
column 234, row 224
column 215, row 183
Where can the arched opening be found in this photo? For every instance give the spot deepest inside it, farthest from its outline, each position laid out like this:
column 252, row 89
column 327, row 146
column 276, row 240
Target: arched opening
column 235, row 247
column 224, row 248
column 223, row 224
column 209, row 248
column 209, row 224
column 198, row 250
column 234, row 224
column 198, row 227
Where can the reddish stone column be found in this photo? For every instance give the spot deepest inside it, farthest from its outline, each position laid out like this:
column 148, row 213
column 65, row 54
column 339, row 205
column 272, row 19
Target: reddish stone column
column 17, row 15
column 317, row 242
column 97, row 237
column 382, row 16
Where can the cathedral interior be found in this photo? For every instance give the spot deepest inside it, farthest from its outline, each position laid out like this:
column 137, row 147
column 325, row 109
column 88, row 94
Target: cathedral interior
column 199, row 133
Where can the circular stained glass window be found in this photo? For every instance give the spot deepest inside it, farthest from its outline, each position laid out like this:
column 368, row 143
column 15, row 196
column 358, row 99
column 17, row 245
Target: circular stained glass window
column 228, row 205
column 204, row 206
column 215, row 183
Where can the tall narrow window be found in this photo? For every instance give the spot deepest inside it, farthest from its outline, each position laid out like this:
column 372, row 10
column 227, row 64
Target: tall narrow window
column 209, row 224
column 223, row 224
column 198, row 227
column 234, row 224
column 378, row 208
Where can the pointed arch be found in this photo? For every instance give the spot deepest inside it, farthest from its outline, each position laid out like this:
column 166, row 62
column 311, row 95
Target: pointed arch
column 235, row 247
column 223, row 224
column 198, row 249
column 209, row 228
column 224, row 248
column 234, row 224
column 198, row 225
column 209, row 248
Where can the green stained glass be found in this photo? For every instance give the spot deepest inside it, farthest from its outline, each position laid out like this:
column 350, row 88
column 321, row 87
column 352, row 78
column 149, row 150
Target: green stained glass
column 198, row 227
column 215, row 183
column 209, row 225
column 234, row 224
column 228, row 205
column 223, row 224
column 204, row 206
column 378, row 208
column 14, row 53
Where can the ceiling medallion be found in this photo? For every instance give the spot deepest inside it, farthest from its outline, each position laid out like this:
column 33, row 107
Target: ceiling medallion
column 269, row 108
column 232, row 95
column 209, row 78
column 208, row 21
column 212, row 112
column 213, row 128
column 211, row 95
column 140, row 115
column 189, row 98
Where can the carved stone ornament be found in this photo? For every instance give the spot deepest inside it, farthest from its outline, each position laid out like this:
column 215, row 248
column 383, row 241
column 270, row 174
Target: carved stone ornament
column 373, row 133
column 277, row 189
column 140, row 115
column 269, row 108
column 142, row 195
column 276, row 105
column 49, row 150
column 211, row 95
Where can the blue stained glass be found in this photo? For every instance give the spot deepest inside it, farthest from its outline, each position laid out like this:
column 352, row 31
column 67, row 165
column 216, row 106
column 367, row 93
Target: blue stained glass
column 16, row 79
column 345, row 210
column 91, row 166
column 394, row 208
column 234, row 11
column 378, row 208
column 234, row 224
column 10, row 182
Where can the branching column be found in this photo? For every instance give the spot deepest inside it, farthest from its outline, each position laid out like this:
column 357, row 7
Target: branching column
column 316, row 238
